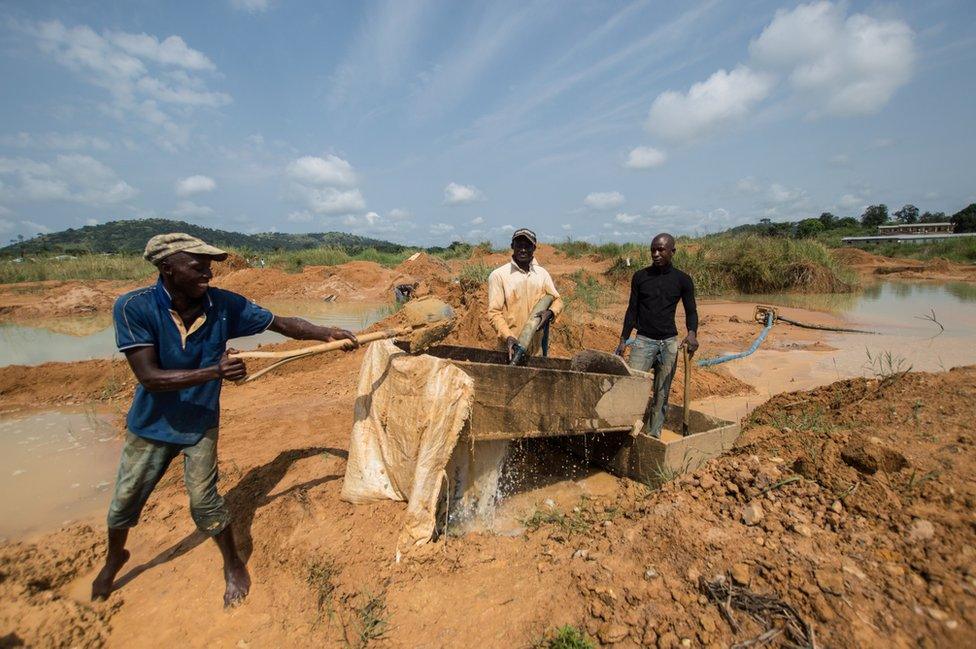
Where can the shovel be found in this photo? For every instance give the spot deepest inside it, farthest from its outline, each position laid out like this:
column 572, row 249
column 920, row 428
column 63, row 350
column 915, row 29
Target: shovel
column 687, row 400
column 428, row 320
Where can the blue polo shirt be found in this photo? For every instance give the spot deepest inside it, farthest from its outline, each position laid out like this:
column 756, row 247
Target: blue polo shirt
column 145, row 317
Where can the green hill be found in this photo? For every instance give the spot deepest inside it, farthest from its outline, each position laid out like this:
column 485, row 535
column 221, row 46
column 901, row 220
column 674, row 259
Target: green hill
column 131, row 237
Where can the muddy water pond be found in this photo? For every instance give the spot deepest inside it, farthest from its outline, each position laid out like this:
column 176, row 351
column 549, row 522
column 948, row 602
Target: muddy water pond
column 55, row 466
column 31, row 345
column 925, row 326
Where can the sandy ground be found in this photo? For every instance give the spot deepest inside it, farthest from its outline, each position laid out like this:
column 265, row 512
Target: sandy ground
column 875, row 267
column 853, row 503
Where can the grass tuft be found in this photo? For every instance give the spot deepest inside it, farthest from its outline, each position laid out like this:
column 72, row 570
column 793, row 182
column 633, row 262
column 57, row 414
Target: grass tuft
column 565, row 637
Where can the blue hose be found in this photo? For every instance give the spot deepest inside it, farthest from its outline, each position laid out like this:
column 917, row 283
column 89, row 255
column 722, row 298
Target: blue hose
column 706, row 362
column 770, row 318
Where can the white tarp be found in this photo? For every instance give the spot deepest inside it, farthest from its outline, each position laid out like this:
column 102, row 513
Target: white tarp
column 409, row 413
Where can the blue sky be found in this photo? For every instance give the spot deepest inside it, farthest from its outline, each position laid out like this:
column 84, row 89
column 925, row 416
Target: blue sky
column 427, row 121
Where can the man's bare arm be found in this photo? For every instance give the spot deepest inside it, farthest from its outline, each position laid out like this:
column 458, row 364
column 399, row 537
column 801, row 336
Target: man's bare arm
column 304, row 330
column 145, row 365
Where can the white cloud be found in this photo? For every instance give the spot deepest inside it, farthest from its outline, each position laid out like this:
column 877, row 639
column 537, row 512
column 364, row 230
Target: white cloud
column 645, row 157
column 6, row 226
column 664, row 210
column 840, row 160
column 567, row 226
column 478, row 220
column 59, row 141
column 72, row 178
column 330, row 170
column 455, row 194
column 189, row 209
column 748, row 185
column 441, row 228
column 604, row 200
column 36, row 228
column 91, row 221
column 324, row 185
column 623, row 217
column 722, row 99
column 171, row 51
column 850, row 201
column 303, row 216
column 251, row 6
column 844, row 65
column 329, row 200
column 883, row 143
column 398, row 214
column 194, row 185
column 151, row 82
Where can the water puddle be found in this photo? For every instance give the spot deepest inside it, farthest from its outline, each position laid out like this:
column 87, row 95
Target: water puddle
column 79, row 339
column 921, row 326
column 55, row 466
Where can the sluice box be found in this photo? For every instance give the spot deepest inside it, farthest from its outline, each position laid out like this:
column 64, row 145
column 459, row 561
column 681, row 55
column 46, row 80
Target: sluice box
column 592, row 399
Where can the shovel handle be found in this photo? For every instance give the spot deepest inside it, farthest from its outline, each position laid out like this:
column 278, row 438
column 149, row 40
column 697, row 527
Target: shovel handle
column 687, row 399
column 326, row 347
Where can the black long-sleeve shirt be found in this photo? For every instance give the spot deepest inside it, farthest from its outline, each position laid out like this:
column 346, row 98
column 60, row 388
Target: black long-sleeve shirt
column 654, row 295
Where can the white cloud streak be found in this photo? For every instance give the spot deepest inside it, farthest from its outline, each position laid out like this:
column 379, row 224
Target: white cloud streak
column 456, row 194
column 70, row 178
column 195, row 185
column 645, row 157
column 604, row 200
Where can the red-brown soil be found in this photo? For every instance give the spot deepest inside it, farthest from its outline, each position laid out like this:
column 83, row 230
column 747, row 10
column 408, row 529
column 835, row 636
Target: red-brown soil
column 874, row 267
column 891, row 565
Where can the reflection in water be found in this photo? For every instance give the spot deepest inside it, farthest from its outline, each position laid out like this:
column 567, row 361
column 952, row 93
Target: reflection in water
column 42, row 343
column 55, row 466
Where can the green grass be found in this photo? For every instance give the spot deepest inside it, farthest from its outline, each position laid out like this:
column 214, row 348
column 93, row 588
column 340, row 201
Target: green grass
column 565, row 637
column 294, row 261
column 750, row 264
column 961, row 250
column 121, row 267
column 569, row 523
column 589, row 292
column 372, row 620
column 474, row 275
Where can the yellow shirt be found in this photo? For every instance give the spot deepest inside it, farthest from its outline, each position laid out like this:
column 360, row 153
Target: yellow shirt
column 512, row 292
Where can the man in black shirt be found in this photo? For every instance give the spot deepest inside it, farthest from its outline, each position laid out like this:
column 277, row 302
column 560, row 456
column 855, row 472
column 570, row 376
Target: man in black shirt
column 654, row 295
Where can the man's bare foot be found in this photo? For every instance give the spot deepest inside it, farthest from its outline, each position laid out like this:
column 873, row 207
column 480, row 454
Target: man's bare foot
column 238, row 584
column 102, row 585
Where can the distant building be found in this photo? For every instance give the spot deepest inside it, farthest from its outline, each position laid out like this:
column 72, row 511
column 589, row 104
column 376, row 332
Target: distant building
column 909, row 233
column 916, row 228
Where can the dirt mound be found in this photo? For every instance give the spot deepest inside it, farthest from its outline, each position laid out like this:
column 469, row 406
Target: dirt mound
column 66, row 383
column 353, row 281
column 59, row 299
column 229, row 265
column 856, row 257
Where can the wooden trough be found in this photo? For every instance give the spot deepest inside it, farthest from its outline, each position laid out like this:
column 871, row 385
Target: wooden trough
column 602, row 413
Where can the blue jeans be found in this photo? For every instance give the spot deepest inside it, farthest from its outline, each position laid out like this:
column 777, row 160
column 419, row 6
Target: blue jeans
column 662, row 357
column 143, row 463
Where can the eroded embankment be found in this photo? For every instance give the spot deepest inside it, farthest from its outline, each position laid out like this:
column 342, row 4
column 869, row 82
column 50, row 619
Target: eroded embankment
column 852, row 503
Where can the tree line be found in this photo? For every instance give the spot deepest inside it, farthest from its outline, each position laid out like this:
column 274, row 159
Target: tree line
column 874, row 215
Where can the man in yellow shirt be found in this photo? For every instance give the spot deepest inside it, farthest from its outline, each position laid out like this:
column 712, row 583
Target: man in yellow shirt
column 515, row 288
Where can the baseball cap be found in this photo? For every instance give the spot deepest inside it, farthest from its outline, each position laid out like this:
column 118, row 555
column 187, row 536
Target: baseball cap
column 164, row 245
column 525, row 232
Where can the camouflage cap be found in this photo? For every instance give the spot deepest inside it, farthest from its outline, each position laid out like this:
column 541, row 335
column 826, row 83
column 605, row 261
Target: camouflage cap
column 163, row 245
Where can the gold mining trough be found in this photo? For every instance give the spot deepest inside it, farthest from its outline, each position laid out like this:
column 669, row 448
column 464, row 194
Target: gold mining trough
column 598, row 410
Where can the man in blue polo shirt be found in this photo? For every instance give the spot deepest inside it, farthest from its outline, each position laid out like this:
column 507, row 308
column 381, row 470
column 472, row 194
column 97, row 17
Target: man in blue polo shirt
column 174, row 335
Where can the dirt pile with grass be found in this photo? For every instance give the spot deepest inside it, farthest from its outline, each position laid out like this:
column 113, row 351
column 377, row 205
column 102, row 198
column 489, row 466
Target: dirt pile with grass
column 352, row 281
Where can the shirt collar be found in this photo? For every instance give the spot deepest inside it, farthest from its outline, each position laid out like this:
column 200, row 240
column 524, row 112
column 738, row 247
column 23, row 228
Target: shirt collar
column 165, row 300
column 654, row 270
column 515, row 268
